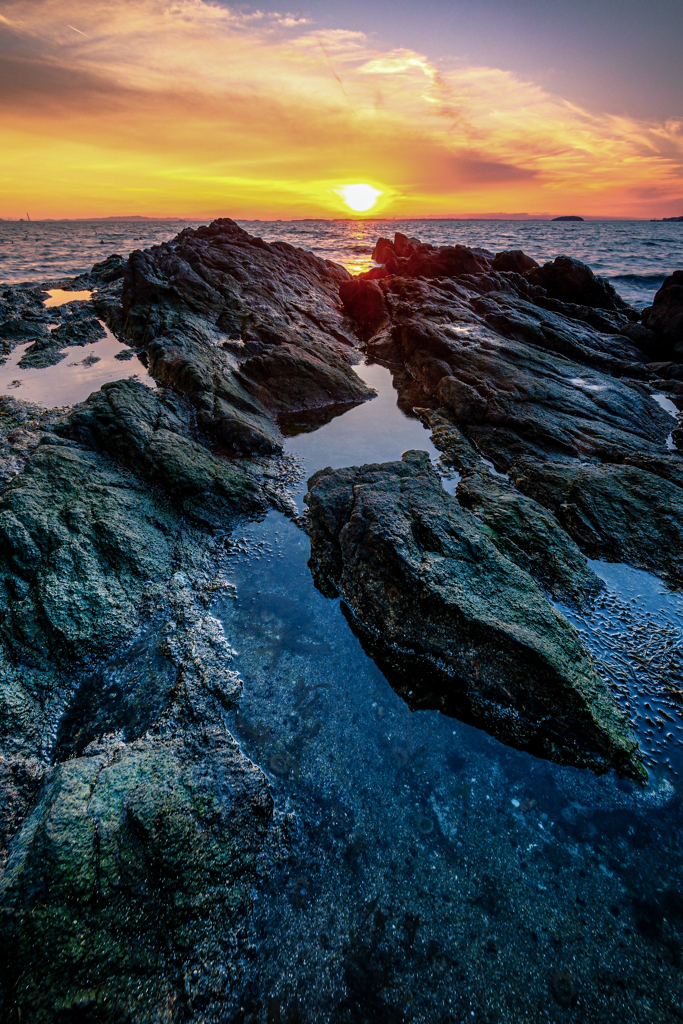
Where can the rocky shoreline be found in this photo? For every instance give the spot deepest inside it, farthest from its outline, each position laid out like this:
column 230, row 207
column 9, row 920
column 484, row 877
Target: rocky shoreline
column 132, row 825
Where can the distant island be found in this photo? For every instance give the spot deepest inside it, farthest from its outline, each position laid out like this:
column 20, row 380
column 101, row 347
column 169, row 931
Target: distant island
column 567, row 218
column 672, row 218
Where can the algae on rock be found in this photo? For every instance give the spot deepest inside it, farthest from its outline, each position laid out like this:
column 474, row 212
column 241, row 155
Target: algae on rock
column 461, row 626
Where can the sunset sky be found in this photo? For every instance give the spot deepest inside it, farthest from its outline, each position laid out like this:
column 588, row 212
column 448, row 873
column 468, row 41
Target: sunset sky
column 199, row 109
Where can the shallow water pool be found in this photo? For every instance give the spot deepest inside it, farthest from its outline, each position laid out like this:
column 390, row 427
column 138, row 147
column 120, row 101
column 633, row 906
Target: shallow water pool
column 431, row 873
column 83, row 370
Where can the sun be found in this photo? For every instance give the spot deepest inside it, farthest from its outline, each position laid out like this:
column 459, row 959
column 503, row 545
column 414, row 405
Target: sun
column 359, row 197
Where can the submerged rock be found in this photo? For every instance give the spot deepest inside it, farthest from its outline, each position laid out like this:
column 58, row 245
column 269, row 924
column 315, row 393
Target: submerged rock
column 463, row 627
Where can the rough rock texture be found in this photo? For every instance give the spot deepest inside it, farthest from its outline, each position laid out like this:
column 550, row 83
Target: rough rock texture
column 466, row 629
column 130, row 822
column 129, row 873
column 539, row 387
column 246, row 330
column 122, row 891
column 665, row 317
column 529, row 536
column 48, row 331
column 520, row 528
column 77, row 327
column 569, row 280
column 605, row 509
column 78, row 544
column 153, row 432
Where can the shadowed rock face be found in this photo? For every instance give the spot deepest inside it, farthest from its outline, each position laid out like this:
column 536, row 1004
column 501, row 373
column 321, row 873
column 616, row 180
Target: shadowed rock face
column 569, row 280
column 247, row 330
column 665, row 317
column 463, row 627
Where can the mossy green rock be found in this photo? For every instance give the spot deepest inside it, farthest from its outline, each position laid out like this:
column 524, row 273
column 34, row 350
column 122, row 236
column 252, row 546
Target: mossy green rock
column 459, row 625
column 153, row 433
column 79, row 542
column 121, row 893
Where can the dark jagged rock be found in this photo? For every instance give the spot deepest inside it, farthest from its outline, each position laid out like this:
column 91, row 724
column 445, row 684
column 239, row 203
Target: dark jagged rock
column 605, row 508
column 465, row 628
column 646, row 340
column 23, row 318
column 78, row 328
column 513, row 261
column 665, row 316
column 528, row 371
column 408, row 257
column 522, row 529
column 569, row 280
column 245, row 329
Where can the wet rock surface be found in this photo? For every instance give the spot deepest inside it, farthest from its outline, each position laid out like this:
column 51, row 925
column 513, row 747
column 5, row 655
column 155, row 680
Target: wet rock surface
column 514, row 363
column 108, row 563
column 149, row 870
column 246, row 330
column 466, row 628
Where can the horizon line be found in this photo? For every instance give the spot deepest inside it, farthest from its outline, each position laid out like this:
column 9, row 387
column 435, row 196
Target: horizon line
column 351, row 220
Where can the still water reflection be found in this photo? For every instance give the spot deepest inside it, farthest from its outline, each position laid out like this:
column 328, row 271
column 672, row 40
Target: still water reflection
column 433, row 874
column 83, row 369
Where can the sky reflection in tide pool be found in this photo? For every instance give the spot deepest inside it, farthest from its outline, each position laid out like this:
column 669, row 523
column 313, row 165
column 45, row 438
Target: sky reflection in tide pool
column 71, row 380
column 375, row 431
column 59, row 297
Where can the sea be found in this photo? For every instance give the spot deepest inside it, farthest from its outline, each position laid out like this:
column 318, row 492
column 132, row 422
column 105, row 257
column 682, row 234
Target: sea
column 635, row 256
column 435, row 876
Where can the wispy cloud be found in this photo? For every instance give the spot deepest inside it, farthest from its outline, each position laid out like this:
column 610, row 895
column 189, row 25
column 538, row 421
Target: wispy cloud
column 192, row 107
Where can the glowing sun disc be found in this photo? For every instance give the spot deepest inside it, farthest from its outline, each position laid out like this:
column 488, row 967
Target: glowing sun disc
column 359, row 197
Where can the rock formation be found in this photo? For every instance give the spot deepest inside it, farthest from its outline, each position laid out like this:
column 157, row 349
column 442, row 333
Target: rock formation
column 131, row 825
column 245, row 330
column 665, row 317
column 465, row 629
column 546, row 387
column 142, row 811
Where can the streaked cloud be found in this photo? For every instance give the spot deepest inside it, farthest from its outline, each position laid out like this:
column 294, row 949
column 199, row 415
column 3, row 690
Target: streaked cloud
column 194, row 108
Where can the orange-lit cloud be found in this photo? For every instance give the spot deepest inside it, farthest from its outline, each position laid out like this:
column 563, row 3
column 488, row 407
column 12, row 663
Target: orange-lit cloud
column 194, row 109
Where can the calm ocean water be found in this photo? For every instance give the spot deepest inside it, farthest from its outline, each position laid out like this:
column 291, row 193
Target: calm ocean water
column 635, row 255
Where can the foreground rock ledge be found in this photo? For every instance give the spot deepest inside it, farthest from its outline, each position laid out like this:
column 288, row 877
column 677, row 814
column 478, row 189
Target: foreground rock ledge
column 453, row 622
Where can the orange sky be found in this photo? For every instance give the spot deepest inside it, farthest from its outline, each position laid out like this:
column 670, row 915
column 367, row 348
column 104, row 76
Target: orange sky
column 196, row 110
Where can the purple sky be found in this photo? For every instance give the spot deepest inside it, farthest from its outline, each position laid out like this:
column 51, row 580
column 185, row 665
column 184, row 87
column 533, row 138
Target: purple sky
column 610, row 56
